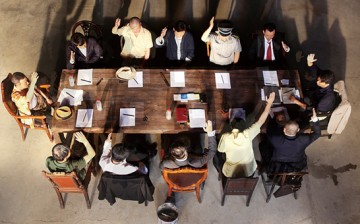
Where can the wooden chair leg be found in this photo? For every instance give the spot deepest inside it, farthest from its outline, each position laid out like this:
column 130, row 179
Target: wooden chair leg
column 295, row 195
column 49, row 135
column 271, row 191
column 198, row 194
column 223, row 199
column 87, row 199
column 22, row 132
column 61, row 200
column 248, row 200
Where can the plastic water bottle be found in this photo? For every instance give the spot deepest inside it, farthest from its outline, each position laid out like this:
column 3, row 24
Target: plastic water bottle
column 168, row 114
column 71, row 80
column 98, row 105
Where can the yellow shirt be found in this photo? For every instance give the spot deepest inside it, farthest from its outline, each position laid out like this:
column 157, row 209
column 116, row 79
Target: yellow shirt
column 134, row 46
column 240, row 160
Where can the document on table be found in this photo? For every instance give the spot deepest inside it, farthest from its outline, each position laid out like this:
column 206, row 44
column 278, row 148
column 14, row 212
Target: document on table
column 286, row 92
column 71, row 97
column 197, row 118
column 127, row 117
column 84, row 77
column 270, row 78
column 222, row 80
column 177, row 79
column 137, row 81
column 84, row 118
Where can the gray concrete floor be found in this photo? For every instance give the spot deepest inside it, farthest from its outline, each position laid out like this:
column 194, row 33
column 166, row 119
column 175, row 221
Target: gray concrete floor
column 32, row 37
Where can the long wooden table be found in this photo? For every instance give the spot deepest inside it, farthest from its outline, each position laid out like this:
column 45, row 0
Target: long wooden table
column 155, row 97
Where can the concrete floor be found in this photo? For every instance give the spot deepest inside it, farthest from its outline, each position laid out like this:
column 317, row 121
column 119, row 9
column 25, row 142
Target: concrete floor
column 32, row 37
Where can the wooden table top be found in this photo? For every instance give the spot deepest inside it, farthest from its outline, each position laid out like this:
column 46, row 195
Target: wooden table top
column 155, row 97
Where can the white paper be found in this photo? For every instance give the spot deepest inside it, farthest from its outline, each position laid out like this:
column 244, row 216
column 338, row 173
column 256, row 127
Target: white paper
column 177, row 79
column 197, row 118
column 284, row 82
column 270, row 78
column 71, row 97
column 127, row 117
column 177, row 97
column 84, row 118
column 222, row 80
column 286, row 92
column 136, row 82
column 84, row 77
column 262, row 95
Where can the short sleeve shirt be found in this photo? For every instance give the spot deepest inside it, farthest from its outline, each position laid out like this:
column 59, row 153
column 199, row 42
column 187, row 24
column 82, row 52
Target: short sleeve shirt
column 222, row 52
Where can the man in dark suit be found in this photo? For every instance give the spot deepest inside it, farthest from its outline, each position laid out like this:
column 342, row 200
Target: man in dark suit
column 269, row 48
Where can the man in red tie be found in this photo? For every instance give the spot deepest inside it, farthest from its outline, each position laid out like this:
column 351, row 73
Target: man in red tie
column 269, row 48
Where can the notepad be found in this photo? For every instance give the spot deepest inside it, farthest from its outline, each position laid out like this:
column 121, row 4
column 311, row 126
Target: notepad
column 286, row 92
column 222, row 80
column 84, row 118
column 127, row 117
column 71, row 97
column 84, row 77
column 197, row 118
column 137, row 81
column 177, row 79
column 270, row 78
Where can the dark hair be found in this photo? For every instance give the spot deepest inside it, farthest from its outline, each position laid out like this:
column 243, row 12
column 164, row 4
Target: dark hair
column 269, row 26
column 180, row 26
column 120, row 152
column 134, row 19
column 238, row 123
column 60, row 151
column 16, row 77
column 327, row 76
column 78, row 39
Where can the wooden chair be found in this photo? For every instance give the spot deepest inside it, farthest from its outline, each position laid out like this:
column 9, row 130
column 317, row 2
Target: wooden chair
column 70, row 183
column 89, row 28
column 40, row 121
column 288, row 183
column 238, row 186
column 185, row 179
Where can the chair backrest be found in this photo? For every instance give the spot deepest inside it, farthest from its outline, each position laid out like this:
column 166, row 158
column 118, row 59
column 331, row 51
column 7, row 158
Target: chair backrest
column 293, row 178
column 185, row 178
column 65, row 182
column 239, row 186
column 6, row 90
column 89, row 28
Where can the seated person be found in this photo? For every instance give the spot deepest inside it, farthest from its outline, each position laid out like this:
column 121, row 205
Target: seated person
column 29, row 99
column 237, row 145
column 268, row 47
column 225, row 48
column 137, row 39
column 113, row 159
column 60, row 160
column 323, row 97
column 178, row 41
column 180, row 156
column 82, row 52
column 289, row 146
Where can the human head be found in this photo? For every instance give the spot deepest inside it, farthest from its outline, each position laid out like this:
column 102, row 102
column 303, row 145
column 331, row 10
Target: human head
column 179, row 148
column 180, row 28
column 238, row 124
column 61, row 152
column 269, row 30
column 120, row 152
column 225, row 28
column 20, row 80
column 78, row 39
column 325, row 78
column 291, row 128
column 280, row 118
column 135, row 24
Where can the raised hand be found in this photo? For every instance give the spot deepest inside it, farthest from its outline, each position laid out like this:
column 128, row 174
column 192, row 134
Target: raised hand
column 208, row 127
column 80, row 137
column 271, row 98
column 285, row 47
column 311, row 59
column 163, row 32
column 212, row 22
column 34, row 77
column 117, row 22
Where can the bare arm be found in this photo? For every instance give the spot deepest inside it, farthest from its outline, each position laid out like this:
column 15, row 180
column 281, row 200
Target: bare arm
column 236, row 57
column 147, row 54
column 33, row 79
column 298, row 102
column 205, row 36
column 266, row 111
column 80, row 137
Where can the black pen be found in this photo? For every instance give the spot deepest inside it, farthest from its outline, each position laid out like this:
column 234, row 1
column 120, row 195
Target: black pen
column 222, row 78
column 164, row 78
column 136, row 81
column 84, row 116
column 99, row 81
column 85, row 80
column 129, row 115
column 70, row 95
column 288, row 91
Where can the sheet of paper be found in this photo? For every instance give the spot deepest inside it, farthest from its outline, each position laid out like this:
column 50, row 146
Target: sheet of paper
column 222, row 80
column 71, row 97
column 284, row 82
column 177, row 79
column 197, row 118
column 84, row 118
column 270, row 78
column 84, row 77
column 286, row 92
column 136, row 82
column 127, row 117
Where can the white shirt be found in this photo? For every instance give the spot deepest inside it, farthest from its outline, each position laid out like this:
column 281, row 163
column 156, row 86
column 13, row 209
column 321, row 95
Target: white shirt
column 178, row 44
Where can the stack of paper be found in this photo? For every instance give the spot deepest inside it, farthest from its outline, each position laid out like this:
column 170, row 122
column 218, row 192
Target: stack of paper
column 84, row 118
column 137, row 81
column 197, row 118
column 84, row 77
column 177, row 79
column 71, row 97
column 270, row 78
column 127, row 117
column 222, row 80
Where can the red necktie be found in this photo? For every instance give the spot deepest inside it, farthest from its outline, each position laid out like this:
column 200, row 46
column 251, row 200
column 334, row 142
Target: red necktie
column 268, row 52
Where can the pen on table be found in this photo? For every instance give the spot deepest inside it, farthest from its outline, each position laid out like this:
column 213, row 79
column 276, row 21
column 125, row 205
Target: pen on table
column 85, row 80
column 99, row 81
column 288, row 91
column 136, row 81
column 84, row 116
column 164, row 78
column 129, row 115
column 222, row 78
column 70, row 95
